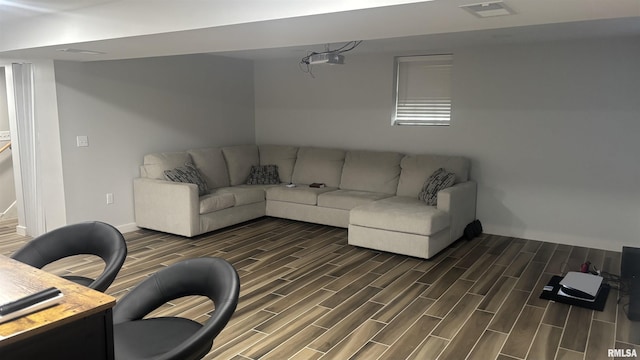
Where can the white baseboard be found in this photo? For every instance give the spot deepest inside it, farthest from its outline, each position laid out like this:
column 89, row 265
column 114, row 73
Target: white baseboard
column 555, row 238
column 125, row 228
column 21, row 230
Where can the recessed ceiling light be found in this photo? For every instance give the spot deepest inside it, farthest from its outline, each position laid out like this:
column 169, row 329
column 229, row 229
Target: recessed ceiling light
column 81, row 51
column 488, row 9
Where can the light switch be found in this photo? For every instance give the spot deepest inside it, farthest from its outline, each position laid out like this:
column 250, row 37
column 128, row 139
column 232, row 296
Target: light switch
column 82, row 140
column 5, row 136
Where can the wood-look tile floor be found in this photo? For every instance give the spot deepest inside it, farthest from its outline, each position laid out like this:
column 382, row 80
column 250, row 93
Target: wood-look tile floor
column 307, row 294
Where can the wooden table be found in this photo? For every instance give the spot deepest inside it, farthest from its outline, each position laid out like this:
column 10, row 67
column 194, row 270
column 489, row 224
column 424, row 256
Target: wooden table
column 79, row 327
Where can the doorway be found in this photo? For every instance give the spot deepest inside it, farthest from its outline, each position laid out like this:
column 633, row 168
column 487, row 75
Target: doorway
column 8, row 208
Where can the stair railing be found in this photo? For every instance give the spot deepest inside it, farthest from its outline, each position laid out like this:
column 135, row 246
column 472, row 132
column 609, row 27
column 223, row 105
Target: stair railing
column 5, row 147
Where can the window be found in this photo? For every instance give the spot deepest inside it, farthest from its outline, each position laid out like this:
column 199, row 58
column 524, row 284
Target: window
column 422, row 90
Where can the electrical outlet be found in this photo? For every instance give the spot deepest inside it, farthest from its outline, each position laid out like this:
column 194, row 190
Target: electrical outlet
column 5, row 136
column 82, row 141
column 109, row 198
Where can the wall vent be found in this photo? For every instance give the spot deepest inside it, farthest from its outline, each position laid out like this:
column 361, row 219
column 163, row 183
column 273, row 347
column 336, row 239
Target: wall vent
column 488, row 9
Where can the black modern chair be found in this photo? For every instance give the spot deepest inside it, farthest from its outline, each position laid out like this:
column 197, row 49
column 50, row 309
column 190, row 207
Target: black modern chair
column 94, row 238
column 164, row 338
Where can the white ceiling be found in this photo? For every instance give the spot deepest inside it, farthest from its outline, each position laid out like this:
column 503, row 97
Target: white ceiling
column 286, row 28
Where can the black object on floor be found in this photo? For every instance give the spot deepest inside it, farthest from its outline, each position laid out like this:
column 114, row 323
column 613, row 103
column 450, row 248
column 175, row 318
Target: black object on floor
column 473, row 229
column 630, row 274
column 551, row 293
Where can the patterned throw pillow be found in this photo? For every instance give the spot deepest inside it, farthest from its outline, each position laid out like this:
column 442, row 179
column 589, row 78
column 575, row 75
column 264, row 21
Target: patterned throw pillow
column 439, row 180
column 188, row 174
column 263, row 175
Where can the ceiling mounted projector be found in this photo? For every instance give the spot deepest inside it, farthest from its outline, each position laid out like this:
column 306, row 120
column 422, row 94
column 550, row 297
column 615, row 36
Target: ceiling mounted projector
column 326, row 58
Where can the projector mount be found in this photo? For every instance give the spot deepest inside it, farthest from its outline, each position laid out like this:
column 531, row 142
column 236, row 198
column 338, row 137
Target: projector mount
column 326, row 57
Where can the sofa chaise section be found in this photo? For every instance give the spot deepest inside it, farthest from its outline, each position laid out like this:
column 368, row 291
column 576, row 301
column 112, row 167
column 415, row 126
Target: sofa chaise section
column 406, row 225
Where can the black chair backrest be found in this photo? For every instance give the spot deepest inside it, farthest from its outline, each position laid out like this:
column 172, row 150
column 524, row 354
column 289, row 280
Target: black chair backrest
column 94, row 238
column 214, row 278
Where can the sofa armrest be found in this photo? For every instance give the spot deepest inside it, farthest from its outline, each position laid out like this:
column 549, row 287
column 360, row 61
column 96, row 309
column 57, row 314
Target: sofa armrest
column 460, row 202
column 167, row 206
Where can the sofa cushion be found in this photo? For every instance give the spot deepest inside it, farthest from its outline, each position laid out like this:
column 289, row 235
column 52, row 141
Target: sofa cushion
column 373, row 171
column 263, row 175
column 318, row 165
column 439, row 180
column 214, row 202
column 417, row 168
column 400, row 213
column 212, row 166
column 239, row 161
column 302, row 194
column 244, row 195
column 155, row 164
column 281, row 155
column 348, row 199
column 187, row 174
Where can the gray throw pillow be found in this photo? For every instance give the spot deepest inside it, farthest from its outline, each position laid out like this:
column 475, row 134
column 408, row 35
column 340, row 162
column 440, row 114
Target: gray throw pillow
column 263, row 175
column 188, row 174
column 439, row 180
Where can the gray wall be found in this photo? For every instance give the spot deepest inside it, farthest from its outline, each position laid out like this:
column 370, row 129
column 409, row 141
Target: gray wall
column 130, row 108
column 552, row 130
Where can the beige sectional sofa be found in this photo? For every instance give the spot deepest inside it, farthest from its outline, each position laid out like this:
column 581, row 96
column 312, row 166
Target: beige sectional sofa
column 373, row 194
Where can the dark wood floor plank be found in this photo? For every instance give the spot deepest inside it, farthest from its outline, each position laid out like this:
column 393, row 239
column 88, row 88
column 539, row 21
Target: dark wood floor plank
column 430, row 348
column 545, row 252
column 415, row 336
column 448, row 300
column 577, row 329
column 392, row 309
column 518, row 265
column 299, row 295
column 351, row 322
column 442, row 285
column 401, row 323
column 545, row 344
column 488, row 346
column 523, row 332
column 556, row 314
column 627, row 331
column 392, row 290
column 480, row 267
column 460, row 346
column 354, row 341
column 601, row 338
column 507, row 256
column 293, row 312
column 347, row 307
column 488, row 279
column 564, row 354
column 370, row 350
column 530, row 276
column 347, row 292
column 509, row 311
column 534, row 299
column 500, row 291
column 472, row 257
column 558, row 262
column 458, row 316
column 294, row 344
column 275, row 340
column 437, row 271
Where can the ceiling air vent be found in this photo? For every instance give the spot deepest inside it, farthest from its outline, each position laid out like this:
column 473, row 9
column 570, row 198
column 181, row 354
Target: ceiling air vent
column 488, row 9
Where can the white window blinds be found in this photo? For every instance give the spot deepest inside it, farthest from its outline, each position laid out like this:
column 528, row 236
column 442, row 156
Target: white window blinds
column 422, row 90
